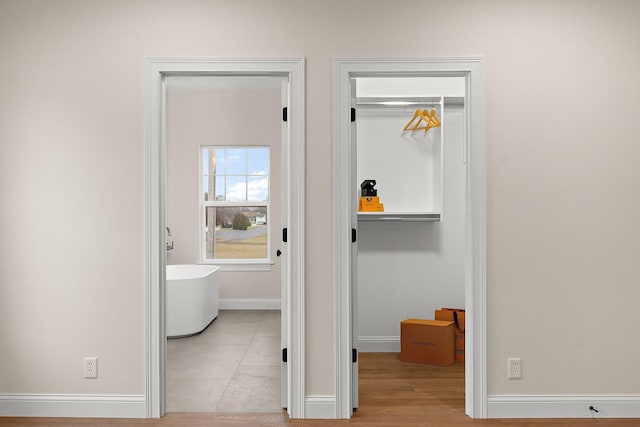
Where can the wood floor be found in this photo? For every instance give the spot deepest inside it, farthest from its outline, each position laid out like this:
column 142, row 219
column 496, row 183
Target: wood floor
column 392, row 393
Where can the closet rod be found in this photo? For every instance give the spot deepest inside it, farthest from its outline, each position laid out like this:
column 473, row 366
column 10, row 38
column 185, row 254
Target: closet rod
column 398, row 101
column 392, row 104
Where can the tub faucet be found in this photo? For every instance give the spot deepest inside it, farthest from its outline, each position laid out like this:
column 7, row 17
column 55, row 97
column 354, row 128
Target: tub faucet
column 169, row 245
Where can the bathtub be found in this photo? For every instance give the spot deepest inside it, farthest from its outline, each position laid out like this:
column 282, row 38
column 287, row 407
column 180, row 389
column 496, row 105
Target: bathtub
column 192, row 298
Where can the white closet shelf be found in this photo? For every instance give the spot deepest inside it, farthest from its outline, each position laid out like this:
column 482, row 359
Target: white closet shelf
column 399, row 216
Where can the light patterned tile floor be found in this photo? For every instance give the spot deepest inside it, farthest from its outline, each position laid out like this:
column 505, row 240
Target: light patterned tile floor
column 233, row 366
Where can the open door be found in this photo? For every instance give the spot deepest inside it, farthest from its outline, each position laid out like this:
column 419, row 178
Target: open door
column 282, row 256
column 354, row 251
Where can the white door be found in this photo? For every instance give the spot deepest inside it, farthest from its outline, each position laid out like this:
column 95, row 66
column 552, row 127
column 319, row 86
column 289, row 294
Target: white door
column 354, row 251
column 282, row 255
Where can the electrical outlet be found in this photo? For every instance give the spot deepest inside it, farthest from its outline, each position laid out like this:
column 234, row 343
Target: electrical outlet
column 514, row 365
column 91, row 367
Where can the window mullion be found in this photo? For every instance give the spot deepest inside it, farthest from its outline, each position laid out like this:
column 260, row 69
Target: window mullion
column 235, row 204
column 246, row 174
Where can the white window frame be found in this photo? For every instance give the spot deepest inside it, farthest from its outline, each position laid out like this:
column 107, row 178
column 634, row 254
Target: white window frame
column 232, row 264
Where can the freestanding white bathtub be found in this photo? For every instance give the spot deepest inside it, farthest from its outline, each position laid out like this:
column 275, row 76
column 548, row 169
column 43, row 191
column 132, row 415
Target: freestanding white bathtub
column 192, row 298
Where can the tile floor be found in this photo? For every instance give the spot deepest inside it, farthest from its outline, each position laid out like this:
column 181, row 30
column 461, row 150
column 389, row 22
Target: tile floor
column 233, row 366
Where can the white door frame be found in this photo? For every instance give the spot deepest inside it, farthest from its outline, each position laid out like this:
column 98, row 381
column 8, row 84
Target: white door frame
column 473, row 69
column 293, row 165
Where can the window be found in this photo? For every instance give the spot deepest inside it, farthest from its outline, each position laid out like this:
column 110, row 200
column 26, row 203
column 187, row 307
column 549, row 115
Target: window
column 234, row 204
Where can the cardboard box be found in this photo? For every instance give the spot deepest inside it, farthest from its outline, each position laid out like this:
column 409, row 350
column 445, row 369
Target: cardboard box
column 447, row 314
column 427, row 341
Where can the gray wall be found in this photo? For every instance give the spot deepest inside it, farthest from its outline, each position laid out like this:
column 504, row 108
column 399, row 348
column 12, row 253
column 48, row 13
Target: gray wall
column 409, row 269
column 563, row 237
column 220, row 112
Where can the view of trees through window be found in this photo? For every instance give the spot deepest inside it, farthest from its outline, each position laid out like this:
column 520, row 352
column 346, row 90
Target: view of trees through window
column 239, row 233
column 235, row 202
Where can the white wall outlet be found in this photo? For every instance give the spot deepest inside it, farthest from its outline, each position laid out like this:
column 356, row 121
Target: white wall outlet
column 91, row 367
column 514, row 365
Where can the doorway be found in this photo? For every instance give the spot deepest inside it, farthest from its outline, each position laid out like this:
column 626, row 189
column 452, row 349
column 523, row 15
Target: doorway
column 346, row 225
column 224, row 209
column 289, row 240
column 410, row 246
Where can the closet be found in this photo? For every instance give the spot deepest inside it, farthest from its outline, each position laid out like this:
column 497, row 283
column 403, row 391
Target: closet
column 409, row 137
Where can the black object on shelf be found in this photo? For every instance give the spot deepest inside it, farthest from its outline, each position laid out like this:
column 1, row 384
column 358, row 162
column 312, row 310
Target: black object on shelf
column 367, row 188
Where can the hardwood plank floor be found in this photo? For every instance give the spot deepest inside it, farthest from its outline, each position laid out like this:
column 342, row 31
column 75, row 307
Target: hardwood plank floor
column 392, row 393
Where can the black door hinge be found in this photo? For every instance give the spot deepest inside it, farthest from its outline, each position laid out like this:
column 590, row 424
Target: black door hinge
column 285, row 114
column 284, row 235
column 354, row 235
column 353, row 114
column 284, row 355
column 354, row 355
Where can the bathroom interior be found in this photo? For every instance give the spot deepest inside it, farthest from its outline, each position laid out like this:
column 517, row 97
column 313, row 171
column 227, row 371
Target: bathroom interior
column 223, row 210
column 216, row 124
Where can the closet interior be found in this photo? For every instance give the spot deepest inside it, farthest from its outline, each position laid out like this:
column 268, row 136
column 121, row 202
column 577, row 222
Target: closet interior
column 410, row 203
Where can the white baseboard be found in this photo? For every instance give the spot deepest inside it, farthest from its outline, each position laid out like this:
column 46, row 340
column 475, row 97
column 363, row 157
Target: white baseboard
column 373, row 344
column 556, row 406
column 320, row 407
column 72, row 405
column 249, row 304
